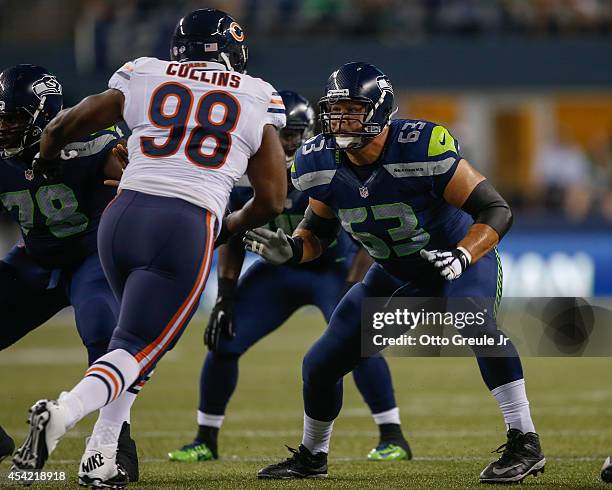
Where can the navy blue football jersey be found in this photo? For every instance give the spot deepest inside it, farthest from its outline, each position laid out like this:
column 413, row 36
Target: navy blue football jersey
column 398, row 209
column 59, row 221
column 296, row 203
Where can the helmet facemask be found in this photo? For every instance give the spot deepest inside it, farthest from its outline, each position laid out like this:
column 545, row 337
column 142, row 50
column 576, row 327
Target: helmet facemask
column 350, row 129
column 292, row 137
column 20, row 130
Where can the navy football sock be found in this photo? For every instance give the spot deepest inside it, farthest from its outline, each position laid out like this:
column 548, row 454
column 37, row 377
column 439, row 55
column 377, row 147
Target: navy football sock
column 208, row 435
column 217, row 382
column 373, row 380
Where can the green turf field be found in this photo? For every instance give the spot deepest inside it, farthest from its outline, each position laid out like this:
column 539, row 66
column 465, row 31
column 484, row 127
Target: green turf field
column 449, row 417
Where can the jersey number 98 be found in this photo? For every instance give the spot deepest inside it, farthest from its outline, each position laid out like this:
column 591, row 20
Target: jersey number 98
column 219, row 129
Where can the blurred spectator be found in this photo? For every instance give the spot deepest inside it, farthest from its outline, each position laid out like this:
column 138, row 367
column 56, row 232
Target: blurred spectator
column 562, row 174
column 55, row 20
column 600, row 154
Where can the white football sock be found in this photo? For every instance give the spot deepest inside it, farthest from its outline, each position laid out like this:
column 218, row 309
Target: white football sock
column 317, row 435
column 512, row 399
column 387, row 417
column 119, row 410
column 210, row 420
column 106, row 433
column 105, row 380
column 73, row 408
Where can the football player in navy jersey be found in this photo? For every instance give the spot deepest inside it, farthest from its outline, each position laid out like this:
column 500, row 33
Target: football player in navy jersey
column 233, row 328
column 431, row 223
column 56, row 263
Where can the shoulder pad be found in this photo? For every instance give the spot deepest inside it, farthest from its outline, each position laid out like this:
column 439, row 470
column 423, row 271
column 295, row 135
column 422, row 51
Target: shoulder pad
column 424, row 148
column 314, row 164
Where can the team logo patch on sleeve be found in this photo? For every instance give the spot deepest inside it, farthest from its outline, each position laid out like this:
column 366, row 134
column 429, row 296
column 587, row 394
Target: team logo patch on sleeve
column 47, row 85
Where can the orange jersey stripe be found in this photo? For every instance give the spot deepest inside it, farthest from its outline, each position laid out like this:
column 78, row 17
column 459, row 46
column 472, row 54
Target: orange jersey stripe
column 279, row 102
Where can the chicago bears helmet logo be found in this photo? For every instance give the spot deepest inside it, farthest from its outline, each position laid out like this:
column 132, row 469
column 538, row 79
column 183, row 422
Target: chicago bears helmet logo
column 47, row 85
column 2, row 106
column 236, row 31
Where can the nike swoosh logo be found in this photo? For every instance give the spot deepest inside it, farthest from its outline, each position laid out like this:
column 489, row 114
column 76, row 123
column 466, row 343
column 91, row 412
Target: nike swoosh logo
column 443, row 140
column 504, row 470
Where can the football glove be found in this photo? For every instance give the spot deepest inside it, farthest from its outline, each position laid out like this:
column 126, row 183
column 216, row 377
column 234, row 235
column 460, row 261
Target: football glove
column 51, row 169
column 221, row 321
column 274, row 246
column 450, row 264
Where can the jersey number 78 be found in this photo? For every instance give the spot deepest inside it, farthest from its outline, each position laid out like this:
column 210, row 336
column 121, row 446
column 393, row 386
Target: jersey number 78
column 176, row 123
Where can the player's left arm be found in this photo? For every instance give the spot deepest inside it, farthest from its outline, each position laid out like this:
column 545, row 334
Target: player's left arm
column 473, row 193
column 92, row 114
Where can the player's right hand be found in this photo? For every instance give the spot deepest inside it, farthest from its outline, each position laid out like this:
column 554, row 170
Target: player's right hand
column 221, row 322
column 271, row 245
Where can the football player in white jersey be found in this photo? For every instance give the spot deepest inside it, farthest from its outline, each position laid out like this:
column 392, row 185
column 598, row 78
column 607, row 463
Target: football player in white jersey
column 198, row 123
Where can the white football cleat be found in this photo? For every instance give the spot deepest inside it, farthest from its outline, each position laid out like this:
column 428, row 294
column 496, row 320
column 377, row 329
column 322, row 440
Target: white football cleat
column 47, row 426
column 99, row 468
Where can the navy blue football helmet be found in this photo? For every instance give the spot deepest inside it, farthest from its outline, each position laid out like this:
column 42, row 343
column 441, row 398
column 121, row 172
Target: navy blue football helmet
column 361, row 83
column 300, row 123
column 210, row 35
column 30, row 97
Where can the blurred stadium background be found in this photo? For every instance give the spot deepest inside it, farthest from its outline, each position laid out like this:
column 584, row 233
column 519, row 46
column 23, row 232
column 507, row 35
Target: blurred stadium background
column 526, row 87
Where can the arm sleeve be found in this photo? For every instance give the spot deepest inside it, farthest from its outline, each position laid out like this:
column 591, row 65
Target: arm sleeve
column 94, row 150
column 487, row 206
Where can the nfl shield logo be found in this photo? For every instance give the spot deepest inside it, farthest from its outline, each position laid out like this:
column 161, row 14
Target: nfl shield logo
column 363, row 192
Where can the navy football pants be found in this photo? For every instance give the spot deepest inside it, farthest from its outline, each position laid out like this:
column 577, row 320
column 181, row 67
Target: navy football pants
column 267, row 295
column 338, row 350
column 156, row 253
column 30, row 295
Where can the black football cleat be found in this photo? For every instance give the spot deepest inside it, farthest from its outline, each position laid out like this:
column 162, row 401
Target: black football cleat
column 521, row 456
column 127, row 455
column 303, row 464
column 606, row 470
column 7, row 445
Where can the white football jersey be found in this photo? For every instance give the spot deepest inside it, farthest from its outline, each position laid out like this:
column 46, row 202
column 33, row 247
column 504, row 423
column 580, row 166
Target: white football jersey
column 194, row 127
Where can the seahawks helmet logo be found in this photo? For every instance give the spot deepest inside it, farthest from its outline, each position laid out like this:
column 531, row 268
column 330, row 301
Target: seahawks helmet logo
column 384, row 85
column 47, row 85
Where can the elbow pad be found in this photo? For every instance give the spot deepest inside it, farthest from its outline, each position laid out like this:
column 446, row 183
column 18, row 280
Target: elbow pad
column 325, row 229
column 486, row 206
